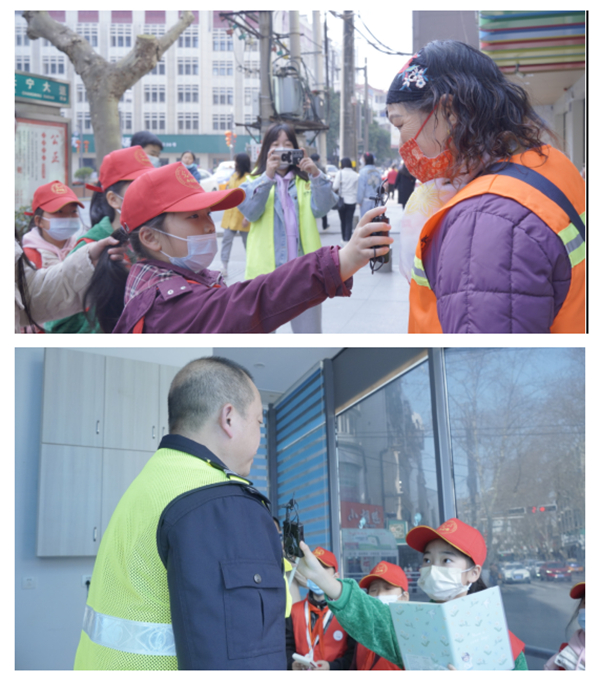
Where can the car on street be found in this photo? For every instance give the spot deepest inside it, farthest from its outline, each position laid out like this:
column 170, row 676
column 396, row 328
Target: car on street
column 574, row 566
column 208, row 181
column 514, row 573
column 534, row 569
column 555, row 571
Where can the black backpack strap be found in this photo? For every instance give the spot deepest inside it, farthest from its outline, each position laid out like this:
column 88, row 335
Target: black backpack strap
column 542, row 184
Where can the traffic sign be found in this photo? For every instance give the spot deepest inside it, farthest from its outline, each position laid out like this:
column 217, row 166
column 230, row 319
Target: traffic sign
column 33, row 88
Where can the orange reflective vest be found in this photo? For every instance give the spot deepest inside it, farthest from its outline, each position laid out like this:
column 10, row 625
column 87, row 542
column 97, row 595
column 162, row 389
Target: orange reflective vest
column 334, row 641
column 554, row 166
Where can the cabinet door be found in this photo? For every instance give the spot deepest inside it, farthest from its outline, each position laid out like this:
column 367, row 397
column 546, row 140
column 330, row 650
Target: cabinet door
column 69, row 501
column 131, row 405
column 73, row 403
column 167, row 374
column 119, row 470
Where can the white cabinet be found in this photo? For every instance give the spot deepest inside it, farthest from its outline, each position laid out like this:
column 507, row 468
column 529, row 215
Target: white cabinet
column 73, row 411
column 69, row 501
column 103, row 418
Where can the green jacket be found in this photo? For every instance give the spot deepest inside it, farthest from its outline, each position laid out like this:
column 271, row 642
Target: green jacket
column 369, row 621
column 78, row 323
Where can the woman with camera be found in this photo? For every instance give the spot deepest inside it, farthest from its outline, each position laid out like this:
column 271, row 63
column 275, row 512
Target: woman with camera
column 284, row 197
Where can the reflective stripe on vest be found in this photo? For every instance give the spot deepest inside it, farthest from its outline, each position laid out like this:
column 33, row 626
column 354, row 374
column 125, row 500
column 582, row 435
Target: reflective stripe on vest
column 573, row 242
column 128, row 636
column 418, row 273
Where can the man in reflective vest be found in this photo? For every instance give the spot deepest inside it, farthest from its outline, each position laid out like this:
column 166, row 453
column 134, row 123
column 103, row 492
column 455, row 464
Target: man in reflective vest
column 189, row 573
column 314, row 633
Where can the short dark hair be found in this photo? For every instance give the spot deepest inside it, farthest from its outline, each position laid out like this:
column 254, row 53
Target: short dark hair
column 188, row 152
column 242, row 164
column 346, row 162
column 144, row 138
column 493, row 115
column 202, row 387
column 369, row 160
column 315, row 157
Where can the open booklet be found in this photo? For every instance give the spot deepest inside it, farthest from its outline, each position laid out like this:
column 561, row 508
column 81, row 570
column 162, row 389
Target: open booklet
column 468, row 632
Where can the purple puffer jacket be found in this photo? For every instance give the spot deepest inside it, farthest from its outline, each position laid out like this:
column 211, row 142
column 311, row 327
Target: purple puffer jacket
column 495, row 267
column 171, row 304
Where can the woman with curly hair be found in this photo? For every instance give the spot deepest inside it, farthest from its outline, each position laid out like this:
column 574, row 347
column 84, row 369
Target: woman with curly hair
column 507, row 253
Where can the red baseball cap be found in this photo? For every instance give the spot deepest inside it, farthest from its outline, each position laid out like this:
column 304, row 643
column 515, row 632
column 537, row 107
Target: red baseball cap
column 122, row 164
column 171, row 189
column 390, row 573
column 326, row 557
column 578, row 591
column 458, row 534
column 52, row 197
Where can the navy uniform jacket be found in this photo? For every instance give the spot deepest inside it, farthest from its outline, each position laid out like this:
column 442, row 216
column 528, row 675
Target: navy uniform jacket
column 224, row 567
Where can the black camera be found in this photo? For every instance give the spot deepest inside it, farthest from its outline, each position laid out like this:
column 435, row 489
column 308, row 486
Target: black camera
column 293, row 530
column 377, row 262
column 289, row 157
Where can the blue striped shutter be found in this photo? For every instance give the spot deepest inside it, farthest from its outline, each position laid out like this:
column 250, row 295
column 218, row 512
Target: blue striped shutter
column 301, row 452
column 259, row 474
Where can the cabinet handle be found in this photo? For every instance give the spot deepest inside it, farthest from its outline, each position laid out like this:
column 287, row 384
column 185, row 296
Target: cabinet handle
column 95, row 533
column 154, row 432
column 98, row 427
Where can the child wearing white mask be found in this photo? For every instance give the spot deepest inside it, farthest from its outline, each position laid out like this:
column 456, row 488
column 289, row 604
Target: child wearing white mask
column 571, row 656
column 453, row 556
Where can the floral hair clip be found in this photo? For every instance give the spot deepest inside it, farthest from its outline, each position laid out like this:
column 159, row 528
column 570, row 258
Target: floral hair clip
column 414, row 74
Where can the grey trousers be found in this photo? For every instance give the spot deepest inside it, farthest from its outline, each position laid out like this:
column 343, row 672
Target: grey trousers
column 227, row 242
column 309, row 321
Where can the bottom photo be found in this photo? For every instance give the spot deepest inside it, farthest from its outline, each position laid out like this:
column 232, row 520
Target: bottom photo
column 300, row 508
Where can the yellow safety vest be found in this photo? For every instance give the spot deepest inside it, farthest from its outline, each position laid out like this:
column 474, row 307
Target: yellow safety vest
column 127, row 622
column 260, row 247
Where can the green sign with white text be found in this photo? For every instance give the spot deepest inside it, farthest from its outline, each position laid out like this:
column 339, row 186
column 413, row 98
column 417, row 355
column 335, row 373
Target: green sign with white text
column 33, row 88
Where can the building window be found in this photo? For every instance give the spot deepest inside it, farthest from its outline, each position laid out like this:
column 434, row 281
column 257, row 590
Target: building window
column 89, row 32
column 84, row 122
column 120, row 35
column 222, row 121
column 222, row 95
column 53, row 66
column 157, row 30
column 81, row 93
column 22, row 64
column 189, row 38
column 221, row 41
column 154, row 93
column 21, row 36
column 187, row 122
column 159, row 69
column 187, row 67
column 251, row 69
column 249, row 92
column 187, row 93
column 154, row 120
column 251, row 45
column 222, row 68
column 126, row 119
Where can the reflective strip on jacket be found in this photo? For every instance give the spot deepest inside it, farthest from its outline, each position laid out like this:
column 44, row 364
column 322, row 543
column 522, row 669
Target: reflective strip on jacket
column 423, row 316
column 260, row 247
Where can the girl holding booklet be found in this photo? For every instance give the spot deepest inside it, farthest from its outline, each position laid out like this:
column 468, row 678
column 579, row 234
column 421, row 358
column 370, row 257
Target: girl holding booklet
column 453, row 556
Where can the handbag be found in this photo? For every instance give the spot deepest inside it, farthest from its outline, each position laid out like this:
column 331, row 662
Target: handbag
column 340, row 204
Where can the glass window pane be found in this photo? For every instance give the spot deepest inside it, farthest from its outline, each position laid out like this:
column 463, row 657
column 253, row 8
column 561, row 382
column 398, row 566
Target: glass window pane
column 517, row 424
column 387, row 474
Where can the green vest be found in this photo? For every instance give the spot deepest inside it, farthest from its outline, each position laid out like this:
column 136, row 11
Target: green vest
column 260, row 247
column 127, row 623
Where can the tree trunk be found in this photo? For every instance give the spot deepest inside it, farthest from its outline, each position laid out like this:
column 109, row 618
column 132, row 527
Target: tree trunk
column 105, row 121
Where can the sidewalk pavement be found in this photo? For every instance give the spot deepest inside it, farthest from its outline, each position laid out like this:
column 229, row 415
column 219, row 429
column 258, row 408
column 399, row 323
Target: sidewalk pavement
column 379, row 301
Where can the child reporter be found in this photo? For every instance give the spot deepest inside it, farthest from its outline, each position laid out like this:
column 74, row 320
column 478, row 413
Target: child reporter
column 166, row 217
column 571, row 655
column 453, row 556
column 389, row 584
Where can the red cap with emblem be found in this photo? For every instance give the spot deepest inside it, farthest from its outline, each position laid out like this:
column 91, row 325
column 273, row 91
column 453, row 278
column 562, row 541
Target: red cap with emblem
column 390, row 573
column 171, row 189
column 326, row 557
column 52, row 197
column 122, row 164
column 578, row 591
column 458, row 534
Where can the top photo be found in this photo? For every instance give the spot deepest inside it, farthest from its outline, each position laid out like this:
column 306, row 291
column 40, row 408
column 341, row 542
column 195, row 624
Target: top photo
column 420, row 175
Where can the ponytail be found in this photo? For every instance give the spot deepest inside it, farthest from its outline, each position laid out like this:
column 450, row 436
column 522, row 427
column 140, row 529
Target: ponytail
column 104, row 299
column 99, row 206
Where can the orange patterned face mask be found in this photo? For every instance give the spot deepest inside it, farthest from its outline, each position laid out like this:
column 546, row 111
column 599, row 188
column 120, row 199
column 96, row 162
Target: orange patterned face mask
column 420, row 166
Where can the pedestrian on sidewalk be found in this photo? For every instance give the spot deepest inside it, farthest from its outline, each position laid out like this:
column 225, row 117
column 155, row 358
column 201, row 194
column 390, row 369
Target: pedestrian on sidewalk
column 346, row 184
column 283, row 202
column 369, row 178
column 233, row 221
column 316, row 158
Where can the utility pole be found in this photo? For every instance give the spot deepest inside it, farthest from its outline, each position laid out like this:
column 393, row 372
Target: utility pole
column 266, row 106
column 367, row 110
column 295, row 56
column 348, row 98
column 321, row 139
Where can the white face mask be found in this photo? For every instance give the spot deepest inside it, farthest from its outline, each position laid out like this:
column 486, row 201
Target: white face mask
column 442, row 583
column 388, row 598
column 154, row 160
column 62, row 229
column 202, row 249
